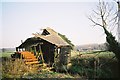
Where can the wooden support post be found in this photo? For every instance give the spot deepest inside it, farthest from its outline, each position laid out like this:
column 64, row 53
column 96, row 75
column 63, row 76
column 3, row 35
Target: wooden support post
column 35, row 50
column 31, row 49
column 20, row 56
column 41, row 54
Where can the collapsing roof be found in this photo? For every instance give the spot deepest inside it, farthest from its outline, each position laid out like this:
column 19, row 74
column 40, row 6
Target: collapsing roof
column 51, row 36
column 48, row 35
column 29, row 41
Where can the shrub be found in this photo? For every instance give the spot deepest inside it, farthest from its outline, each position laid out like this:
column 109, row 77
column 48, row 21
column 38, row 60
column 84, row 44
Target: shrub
column 91, row 67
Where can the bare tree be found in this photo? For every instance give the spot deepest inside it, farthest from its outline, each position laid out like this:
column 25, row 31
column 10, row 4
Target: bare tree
column 105, row 18
column 118, row 22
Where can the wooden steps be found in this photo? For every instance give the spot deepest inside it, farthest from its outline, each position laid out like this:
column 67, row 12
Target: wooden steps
column 29, row 58
column 32, row 62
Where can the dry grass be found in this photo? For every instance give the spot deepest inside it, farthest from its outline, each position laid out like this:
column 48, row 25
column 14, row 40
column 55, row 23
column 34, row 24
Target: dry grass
column 17, row 68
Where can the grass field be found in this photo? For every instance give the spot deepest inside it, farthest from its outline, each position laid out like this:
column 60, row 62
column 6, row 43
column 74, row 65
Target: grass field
column 6, row 54
column 92, row 64
column 106, row 54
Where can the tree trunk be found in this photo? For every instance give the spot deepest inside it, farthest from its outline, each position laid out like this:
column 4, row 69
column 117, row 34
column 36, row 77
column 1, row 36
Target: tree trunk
column 114, row 46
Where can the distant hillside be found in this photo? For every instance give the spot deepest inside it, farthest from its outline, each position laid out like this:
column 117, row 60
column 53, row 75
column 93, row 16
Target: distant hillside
column 91, row 47
column 7, row 50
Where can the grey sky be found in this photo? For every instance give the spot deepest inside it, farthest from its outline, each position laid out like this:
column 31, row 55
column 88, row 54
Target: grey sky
column 21, row 19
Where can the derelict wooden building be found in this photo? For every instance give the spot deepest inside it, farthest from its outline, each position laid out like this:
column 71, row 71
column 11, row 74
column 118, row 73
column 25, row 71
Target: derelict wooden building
column 54, row 49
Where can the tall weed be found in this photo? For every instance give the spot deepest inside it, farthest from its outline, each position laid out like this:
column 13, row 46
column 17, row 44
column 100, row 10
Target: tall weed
column 16, row 68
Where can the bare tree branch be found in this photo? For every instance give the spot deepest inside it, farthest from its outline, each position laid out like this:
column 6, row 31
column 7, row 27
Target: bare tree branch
column 95, row 23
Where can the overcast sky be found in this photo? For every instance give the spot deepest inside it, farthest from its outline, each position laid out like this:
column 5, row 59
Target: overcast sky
column 22, row 18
